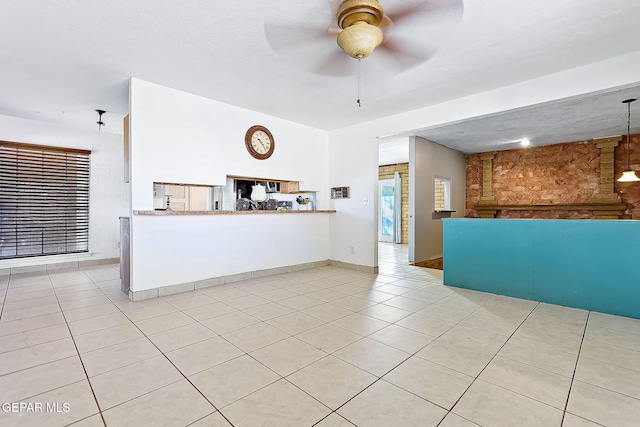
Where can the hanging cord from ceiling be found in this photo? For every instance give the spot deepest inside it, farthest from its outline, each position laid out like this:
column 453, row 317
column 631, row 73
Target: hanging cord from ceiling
column 628, row 175
column 628, row 102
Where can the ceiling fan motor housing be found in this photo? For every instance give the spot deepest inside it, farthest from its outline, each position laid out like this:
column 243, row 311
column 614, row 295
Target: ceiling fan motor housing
column 359, row 20
column 352, row 11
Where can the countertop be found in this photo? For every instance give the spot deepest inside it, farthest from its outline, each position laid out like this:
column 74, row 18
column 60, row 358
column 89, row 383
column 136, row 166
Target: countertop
column 260, row 212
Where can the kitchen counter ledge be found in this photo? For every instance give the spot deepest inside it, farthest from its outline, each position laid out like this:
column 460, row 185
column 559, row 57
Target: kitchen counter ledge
column 186, row 213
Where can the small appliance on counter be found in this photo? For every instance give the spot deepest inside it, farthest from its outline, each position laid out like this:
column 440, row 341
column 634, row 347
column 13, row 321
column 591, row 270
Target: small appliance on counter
column 243, row 204
column 304, row 204
column 271, row 205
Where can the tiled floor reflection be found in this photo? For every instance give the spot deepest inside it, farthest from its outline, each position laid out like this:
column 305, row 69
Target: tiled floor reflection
column 326, row 347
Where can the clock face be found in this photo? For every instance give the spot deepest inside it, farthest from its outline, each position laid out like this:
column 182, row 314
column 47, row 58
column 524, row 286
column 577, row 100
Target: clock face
column 259, row 142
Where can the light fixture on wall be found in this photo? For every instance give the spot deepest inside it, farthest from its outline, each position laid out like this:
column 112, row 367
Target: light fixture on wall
column 628, row 175
column 100, row 122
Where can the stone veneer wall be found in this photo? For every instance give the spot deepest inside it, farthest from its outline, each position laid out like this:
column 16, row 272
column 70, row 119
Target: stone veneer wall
column 386, row 172
column 553, row 174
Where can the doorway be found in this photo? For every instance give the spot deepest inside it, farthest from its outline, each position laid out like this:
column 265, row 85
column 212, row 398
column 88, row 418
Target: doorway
column 386, row 202
column 392, row 197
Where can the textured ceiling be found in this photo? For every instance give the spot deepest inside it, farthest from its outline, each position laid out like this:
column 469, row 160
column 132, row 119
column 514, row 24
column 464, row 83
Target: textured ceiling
column 582, row 118
column 393, row 150
column 60, row 60
column 577, row 119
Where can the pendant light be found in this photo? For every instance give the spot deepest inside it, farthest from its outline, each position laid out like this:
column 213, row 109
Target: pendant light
column 100, row 122
column 628, row 175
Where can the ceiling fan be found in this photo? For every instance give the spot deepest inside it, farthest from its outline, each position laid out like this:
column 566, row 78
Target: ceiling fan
column 362, row 26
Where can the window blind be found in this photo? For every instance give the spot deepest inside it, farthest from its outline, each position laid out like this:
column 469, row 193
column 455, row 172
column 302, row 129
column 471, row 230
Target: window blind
column 44, row 200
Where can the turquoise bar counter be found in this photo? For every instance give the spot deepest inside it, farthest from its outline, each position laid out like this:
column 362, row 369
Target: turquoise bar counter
column 589, row 264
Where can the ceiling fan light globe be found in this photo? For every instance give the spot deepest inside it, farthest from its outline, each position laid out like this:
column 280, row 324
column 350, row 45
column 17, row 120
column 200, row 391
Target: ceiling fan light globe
column 359, row 40
column 628, row 176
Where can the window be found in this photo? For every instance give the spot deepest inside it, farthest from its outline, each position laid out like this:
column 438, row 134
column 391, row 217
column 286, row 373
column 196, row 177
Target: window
column 441, row 194
column 44, row 200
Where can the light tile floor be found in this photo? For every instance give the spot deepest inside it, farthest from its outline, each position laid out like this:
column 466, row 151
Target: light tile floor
column 325, row 347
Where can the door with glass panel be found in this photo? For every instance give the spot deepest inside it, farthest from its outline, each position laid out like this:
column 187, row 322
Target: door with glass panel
column 386, row 223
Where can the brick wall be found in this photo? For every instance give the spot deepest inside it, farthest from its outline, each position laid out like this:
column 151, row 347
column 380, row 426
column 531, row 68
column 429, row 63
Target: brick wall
column 629, row 192
column 553, row 174
column 386, row 172
column 438, row 195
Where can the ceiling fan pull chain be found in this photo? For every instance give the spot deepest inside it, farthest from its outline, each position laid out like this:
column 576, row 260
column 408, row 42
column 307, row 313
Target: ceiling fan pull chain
column 359, row 105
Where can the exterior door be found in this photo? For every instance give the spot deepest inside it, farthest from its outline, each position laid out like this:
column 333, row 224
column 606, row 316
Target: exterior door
column 386, row 200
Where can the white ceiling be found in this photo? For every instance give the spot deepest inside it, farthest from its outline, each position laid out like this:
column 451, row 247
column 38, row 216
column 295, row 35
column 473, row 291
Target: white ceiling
column 393, row 150
column 60, row 60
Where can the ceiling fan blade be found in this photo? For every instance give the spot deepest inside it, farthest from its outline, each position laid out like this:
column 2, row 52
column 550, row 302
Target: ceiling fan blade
column 286, row 37
column 406, row 55
column 337, row 63
column 386, row 22
column 333, row 31
column 441, row 10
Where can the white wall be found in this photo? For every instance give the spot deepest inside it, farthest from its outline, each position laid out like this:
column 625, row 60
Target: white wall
column 183, row 138
column 428, row 161
column 171, row 250
column 108, row 192
column 353, row 151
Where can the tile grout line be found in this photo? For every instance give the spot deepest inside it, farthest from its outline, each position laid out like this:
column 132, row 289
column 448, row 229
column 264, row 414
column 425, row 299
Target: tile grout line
column 293, row 336
column 289, row 336
column 410, row 354
column 422, row 348
column 219, row 335
column 379, row 378
column 575, row 368
column 78, row 351
column 492, row 358
column 4, row 298
column 44, row 364
column 172, row 364
column 258, row 361
column 245, row 354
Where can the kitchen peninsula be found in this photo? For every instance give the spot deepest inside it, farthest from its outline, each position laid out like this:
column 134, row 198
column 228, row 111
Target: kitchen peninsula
column 206, row 248
column 177, row 137
column 203, row 241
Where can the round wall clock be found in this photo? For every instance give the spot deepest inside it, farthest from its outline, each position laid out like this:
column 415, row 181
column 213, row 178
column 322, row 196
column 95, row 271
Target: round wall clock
column 259, row 142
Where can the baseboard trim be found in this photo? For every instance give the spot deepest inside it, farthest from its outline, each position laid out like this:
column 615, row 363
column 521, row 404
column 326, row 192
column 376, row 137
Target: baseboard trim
column 357, row 267
column 220, row 280
column 94, row 262
column 58, row 266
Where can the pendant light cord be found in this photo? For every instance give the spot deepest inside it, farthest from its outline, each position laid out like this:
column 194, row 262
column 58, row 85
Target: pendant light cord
column 628, row 135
